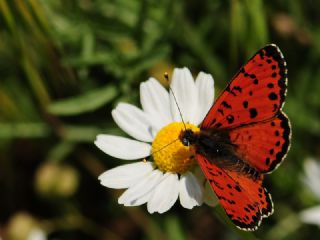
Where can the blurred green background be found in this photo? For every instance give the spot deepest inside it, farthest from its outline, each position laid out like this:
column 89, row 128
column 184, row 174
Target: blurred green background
column 64, row 65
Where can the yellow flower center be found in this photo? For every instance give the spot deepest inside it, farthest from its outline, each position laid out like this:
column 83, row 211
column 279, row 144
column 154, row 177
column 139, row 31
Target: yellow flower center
column 169, row 154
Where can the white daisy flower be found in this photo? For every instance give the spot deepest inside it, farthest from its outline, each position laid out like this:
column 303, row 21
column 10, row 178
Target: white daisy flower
column 311, row 180
column 172, row 171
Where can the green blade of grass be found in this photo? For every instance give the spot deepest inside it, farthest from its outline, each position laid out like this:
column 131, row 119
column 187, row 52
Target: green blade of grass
column 87, row 102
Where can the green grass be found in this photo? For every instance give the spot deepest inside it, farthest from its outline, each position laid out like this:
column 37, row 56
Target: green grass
column 64, row 65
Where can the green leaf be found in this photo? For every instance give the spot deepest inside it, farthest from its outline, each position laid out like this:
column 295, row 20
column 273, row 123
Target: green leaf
column 24, row 130
column 81, row 133
column 85, row 103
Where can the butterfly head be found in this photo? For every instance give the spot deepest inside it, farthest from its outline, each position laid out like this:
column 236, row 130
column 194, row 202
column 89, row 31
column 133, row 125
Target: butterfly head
column 188, row 137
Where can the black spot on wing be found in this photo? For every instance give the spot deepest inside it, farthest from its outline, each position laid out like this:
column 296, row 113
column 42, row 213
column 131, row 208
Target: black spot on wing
column 267, row 161
column 270, row 85
column 237, row 188
column 245, row 104
column 220, row 111
column 273, row 96
column 253, row 112
column 230, row 118
column 226, row 105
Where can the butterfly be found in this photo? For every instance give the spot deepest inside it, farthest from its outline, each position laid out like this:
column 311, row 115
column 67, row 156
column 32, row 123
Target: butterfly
column 244, row 136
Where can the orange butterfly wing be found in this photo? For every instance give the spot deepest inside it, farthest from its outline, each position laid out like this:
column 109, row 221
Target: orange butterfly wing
column 263, row 145
column 256, row 93
column 245, row 201
column 250, row 110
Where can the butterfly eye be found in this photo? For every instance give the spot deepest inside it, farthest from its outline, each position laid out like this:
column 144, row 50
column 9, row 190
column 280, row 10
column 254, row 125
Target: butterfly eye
column 185, row 142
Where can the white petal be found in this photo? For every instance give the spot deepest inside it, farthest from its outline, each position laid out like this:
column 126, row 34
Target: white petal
column 165, row 194
column 186, row 94
column 205, row 87
column 139, row 190
column 133, row 121
column 155, row 101
column 190, row 191
column 311, row 215
column 142, row 200
column 210, row 197
column 312, row 178
column 123, row 148
column 126, row 175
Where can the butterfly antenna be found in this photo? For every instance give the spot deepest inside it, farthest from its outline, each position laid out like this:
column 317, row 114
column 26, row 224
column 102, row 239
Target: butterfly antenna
column 164, row 146
column 160, row 149
column 166, row 76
